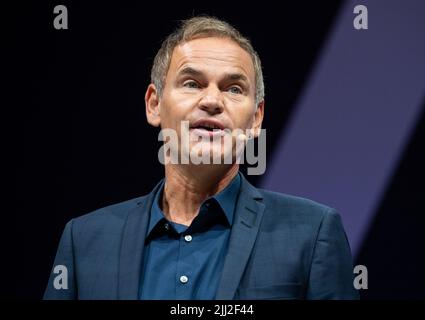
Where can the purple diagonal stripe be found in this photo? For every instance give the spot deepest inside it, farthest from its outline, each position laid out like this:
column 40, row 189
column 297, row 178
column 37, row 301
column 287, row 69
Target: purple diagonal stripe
column 356, row 113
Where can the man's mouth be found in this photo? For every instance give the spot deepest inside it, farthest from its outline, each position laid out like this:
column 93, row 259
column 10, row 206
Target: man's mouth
column 207, row 127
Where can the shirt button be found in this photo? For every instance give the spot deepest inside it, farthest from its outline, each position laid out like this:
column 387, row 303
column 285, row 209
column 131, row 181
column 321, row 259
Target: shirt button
column 167, row 226
column 184, row 279
column 188, row 238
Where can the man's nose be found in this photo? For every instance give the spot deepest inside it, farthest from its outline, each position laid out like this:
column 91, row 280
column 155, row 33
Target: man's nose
column 212, row 101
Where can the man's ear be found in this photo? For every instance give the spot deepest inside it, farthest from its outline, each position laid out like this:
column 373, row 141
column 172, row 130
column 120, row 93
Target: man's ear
column 258, row 119
column 152, row 106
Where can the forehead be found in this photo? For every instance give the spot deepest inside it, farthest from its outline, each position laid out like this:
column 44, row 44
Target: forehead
column 212, row 54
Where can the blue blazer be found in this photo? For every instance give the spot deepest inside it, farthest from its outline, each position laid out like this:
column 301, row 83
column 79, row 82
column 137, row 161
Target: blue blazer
column 280, row 247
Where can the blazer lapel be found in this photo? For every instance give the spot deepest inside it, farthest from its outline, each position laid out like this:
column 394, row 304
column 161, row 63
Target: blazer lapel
column 132, row 245
column 248, row 215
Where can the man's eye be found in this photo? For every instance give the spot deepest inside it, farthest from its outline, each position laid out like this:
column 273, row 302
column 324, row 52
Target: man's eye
column 235, row 90
column 191, row 84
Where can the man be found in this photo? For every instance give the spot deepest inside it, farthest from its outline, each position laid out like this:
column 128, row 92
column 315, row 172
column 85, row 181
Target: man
column 204, row 232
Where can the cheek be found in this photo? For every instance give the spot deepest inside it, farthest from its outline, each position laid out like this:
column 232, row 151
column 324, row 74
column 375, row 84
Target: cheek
column 171, row 112
column 243, row 117
column 176, row 105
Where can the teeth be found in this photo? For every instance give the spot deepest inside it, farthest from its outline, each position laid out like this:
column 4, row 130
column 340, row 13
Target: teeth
column 207, row 126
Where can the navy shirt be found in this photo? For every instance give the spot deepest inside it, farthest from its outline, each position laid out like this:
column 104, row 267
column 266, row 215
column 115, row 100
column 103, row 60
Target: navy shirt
column 181, row 262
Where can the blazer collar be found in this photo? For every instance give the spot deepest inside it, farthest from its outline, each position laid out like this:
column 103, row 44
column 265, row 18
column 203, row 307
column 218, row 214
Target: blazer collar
column 132, row 246
column 247, row 217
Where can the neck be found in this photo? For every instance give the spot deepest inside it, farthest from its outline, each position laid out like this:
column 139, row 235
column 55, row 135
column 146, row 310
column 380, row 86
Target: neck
column 186, row 187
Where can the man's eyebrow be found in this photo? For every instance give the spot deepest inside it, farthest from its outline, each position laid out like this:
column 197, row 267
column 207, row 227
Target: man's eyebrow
column 189, row 71
column 236, row 77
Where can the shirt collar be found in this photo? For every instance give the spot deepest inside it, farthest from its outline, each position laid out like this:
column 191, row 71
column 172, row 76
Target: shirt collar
column 226, row 199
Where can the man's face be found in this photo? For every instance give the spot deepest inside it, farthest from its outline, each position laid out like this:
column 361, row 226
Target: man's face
column 210, row 83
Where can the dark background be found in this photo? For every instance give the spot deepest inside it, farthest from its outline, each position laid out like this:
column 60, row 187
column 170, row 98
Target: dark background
column 81, row 139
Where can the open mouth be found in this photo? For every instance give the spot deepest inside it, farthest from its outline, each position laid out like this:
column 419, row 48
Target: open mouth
column 206, row 127
column 208, row 132
column 210, row 127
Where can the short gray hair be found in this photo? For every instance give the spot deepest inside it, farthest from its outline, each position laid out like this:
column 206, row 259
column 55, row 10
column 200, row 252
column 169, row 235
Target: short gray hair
column 203, row 27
